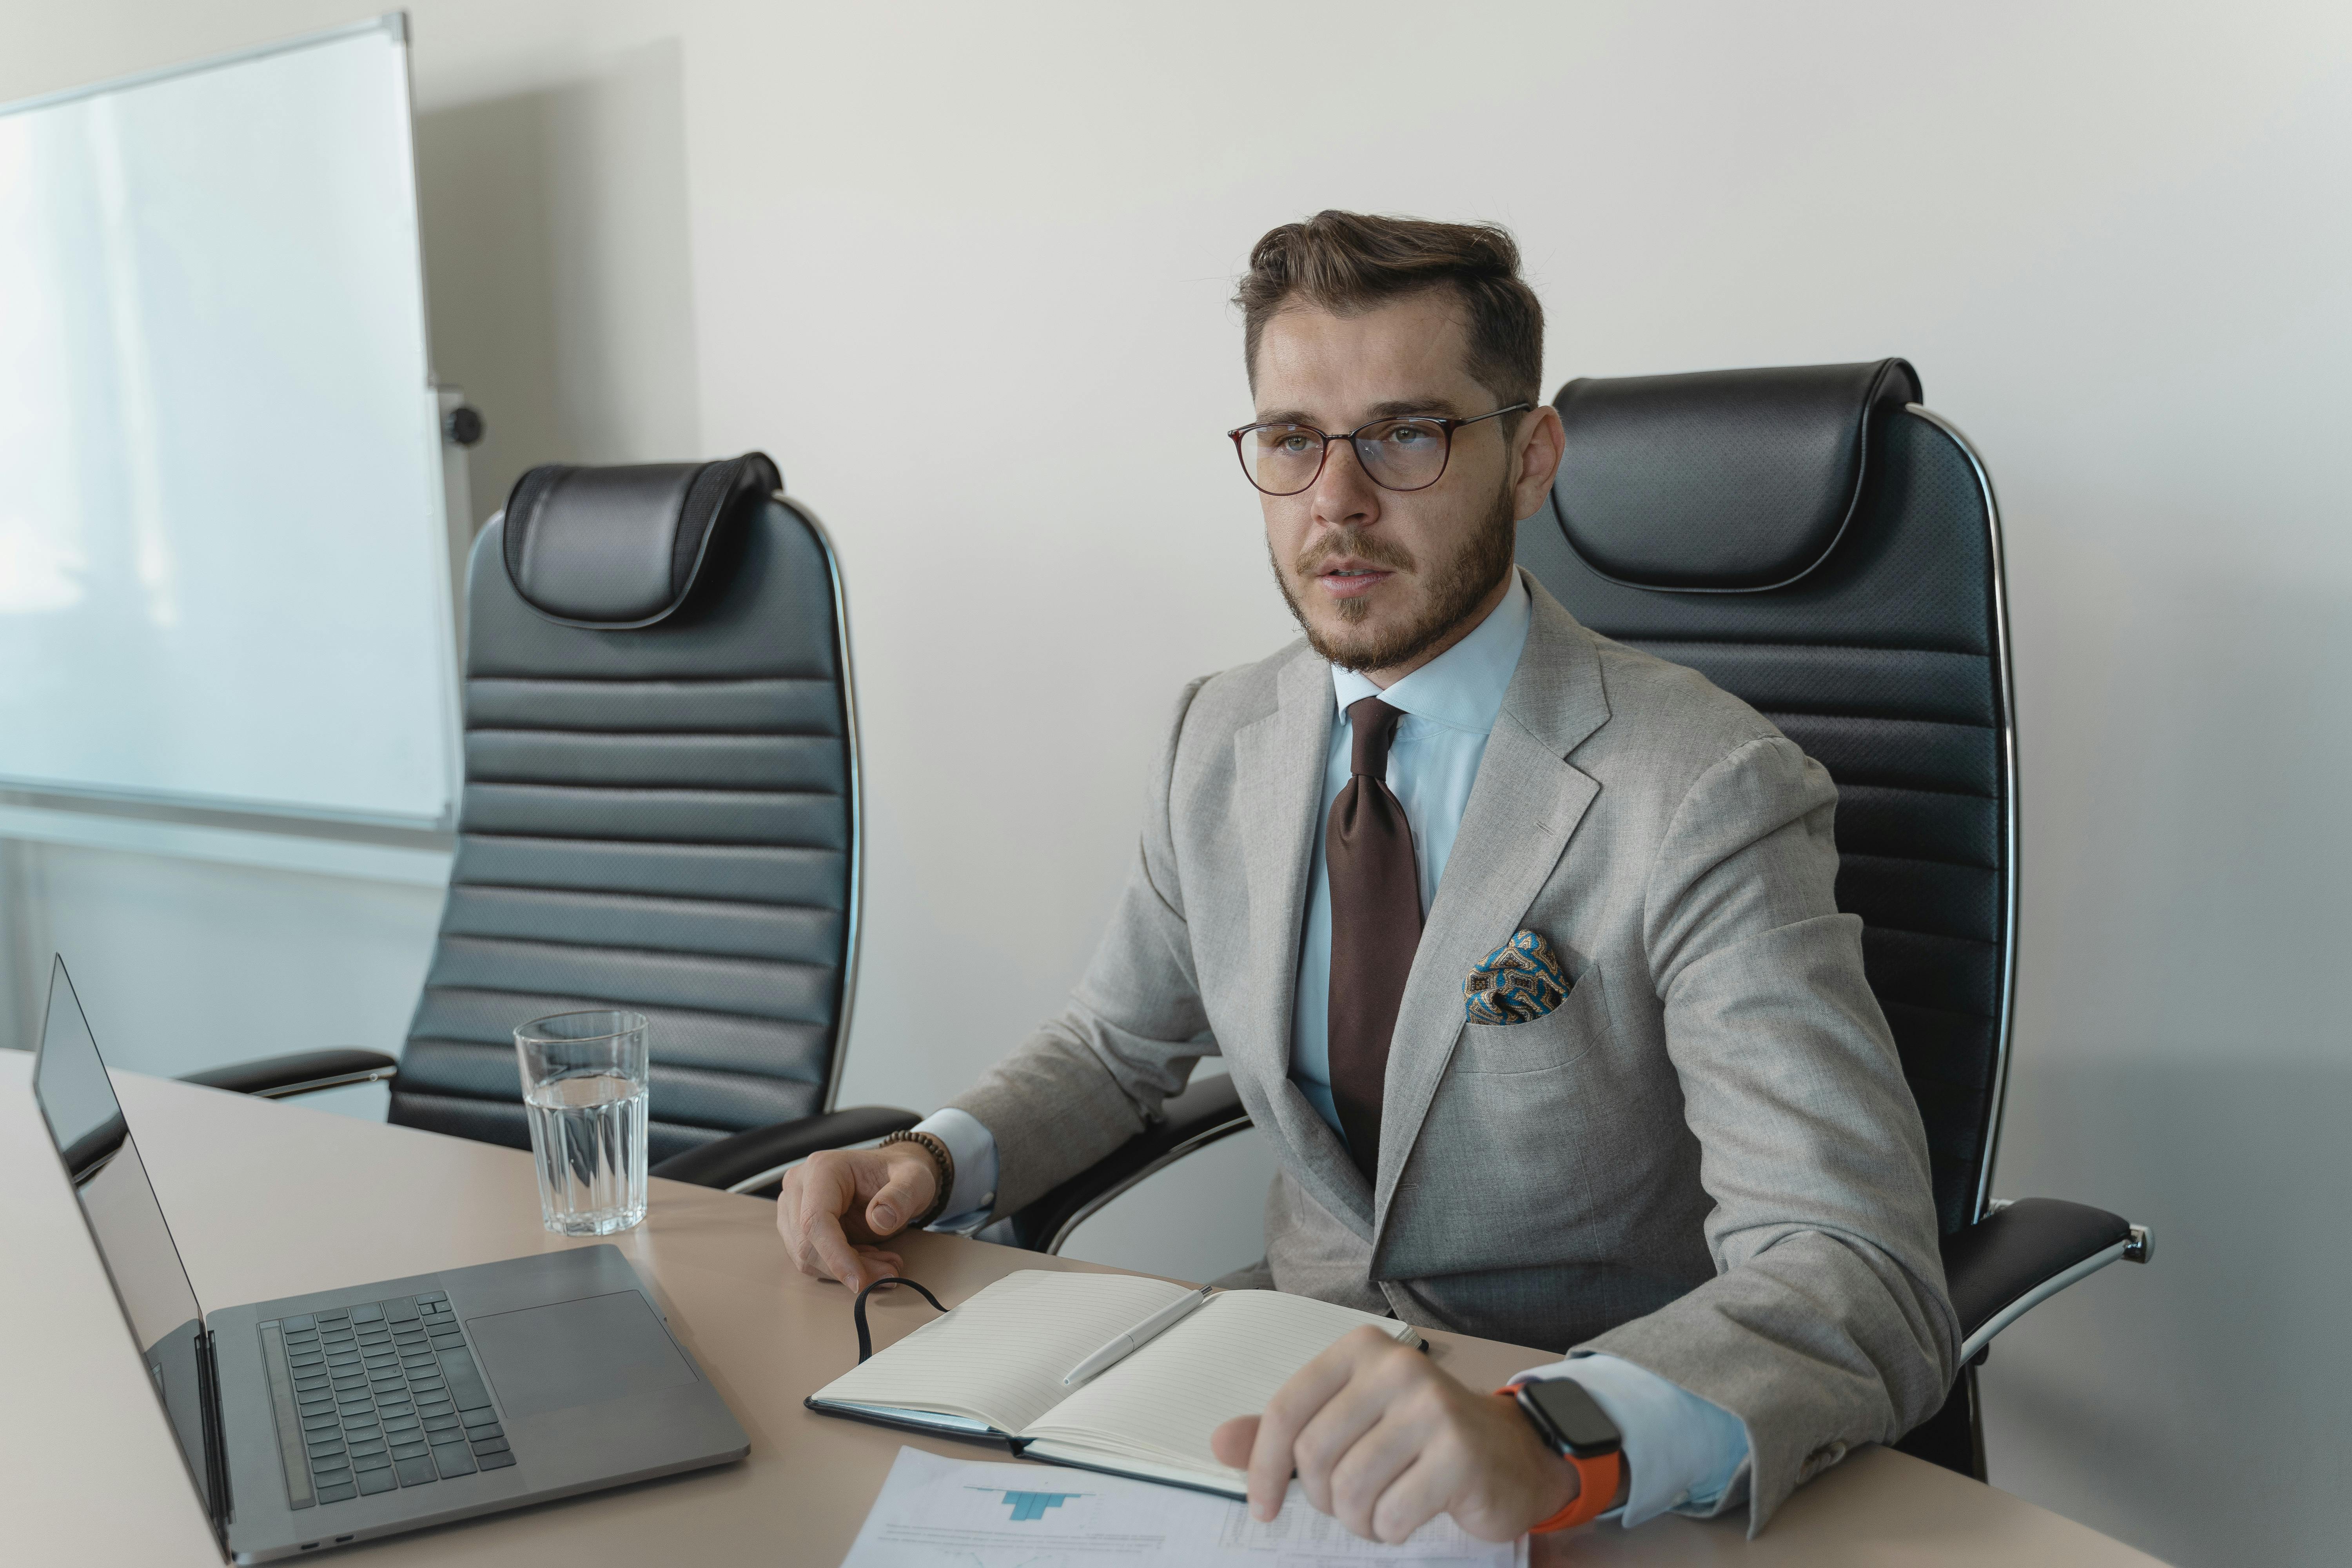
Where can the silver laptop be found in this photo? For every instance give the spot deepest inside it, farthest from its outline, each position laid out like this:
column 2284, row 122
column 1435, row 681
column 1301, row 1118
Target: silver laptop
column 350, row 1414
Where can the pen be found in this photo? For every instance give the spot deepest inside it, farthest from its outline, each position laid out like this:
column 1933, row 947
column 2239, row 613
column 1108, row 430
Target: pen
column 1136, row 1338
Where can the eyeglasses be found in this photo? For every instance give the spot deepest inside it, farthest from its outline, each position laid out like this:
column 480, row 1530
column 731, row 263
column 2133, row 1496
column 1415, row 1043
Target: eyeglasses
column 1397, row 454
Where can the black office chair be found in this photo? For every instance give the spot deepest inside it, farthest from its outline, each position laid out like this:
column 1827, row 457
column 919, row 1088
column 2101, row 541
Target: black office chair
column 1819, row 544
column 660, row 813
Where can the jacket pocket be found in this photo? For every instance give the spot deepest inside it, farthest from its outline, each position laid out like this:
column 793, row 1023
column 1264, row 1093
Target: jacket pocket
column 1554, row 1040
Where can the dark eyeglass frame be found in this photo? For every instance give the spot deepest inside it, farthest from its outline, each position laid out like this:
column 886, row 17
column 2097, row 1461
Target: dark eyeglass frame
column 1355, row 438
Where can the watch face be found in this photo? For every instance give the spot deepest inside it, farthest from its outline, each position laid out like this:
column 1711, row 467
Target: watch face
column 1574, row 1422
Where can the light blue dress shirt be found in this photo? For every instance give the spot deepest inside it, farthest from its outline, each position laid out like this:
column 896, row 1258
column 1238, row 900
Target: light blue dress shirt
column 1683, row 1452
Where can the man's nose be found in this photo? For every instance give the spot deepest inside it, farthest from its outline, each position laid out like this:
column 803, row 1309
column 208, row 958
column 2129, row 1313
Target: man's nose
column 1344, row 494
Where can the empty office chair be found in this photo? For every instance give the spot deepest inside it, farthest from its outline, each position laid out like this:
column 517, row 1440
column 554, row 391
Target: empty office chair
column 660, row 813
column 1819, row 544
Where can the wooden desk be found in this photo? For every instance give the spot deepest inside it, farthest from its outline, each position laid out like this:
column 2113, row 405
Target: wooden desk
column 270, row 1200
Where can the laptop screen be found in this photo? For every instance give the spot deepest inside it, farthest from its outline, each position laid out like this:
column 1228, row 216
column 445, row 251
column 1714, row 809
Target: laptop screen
column 125, row 1220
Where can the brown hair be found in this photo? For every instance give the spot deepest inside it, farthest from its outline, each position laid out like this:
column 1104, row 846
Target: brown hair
column 1353, row 261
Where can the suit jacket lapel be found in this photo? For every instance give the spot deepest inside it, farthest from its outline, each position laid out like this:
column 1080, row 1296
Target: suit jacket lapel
column 1278, row 764
column 1523, row 805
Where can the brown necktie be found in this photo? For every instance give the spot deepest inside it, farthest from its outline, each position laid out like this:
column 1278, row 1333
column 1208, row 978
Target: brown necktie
column 1375, row 926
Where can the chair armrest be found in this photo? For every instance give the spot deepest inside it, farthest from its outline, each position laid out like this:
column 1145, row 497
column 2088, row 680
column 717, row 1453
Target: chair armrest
column 300, row 1072
column 2025, row 1252
column 1196, row 1119
column 748, row 1161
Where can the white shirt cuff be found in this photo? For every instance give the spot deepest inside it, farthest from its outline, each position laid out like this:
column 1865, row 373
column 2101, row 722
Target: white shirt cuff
column 974, row 1147
column 1681, row 1452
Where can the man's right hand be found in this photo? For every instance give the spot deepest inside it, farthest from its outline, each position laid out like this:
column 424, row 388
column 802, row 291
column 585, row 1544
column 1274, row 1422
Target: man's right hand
column 837, row 1206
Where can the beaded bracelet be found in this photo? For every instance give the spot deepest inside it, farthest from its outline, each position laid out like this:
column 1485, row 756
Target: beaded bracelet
column 937, row 1150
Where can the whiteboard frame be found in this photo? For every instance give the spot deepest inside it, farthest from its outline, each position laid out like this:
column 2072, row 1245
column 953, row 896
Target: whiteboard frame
column 392, row 22
column 395, row 23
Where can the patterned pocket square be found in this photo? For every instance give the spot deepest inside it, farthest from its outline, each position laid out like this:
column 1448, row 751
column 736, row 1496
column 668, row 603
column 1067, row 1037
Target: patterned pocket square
column 1518, row 983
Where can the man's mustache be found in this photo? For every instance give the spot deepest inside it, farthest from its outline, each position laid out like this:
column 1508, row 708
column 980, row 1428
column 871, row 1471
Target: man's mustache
column 1356, row 546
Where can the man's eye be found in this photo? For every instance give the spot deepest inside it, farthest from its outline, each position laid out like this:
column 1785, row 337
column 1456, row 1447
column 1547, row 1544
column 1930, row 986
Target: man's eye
column 1294, row 446
column 1411, row 436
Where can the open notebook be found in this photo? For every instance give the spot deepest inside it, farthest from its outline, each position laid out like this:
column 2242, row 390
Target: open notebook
column 991, row 1371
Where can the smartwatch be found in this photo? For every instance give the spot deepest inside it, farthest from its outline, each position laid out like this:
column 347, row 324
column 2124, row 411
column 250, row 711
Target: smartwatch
column 1576, row 1428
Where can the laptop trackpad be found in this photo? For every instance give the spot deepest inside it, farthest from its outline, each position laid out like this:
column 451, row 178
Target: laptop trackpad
column 576, row 1353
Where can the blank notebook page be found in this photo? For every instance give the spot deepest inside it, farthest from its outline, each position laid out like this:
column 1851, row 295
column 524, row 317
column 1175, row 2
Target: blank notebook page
column 1225, row 1360
column 999, row 1357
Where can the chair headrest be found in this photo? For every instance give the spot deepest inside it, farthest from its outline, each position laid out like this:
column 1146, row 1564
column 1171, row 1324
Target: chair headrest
column 618, row 548
column 1724, row 481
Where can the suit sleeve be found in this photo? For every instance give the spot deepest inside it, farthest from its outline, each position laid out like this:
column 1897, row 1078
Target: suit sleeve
column 1096, row 1075
column 1828, row 1324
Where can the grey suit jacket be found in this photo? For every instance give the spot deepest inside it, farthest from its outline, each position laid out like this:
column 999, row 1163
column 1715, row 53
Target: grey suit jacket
column 1706, row 1161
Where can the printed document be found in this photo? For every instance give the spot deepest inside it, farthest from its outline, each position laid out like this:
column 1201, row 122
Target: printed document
column 934, row 1511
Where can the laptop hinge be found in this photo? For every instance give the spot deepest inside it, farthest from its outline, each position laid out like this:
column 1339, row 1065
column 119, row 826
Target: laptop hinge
column 216, row 1436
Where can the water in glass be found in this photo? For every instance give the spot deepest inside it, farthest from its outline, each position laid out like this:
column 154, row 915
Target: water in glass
column 588, row 1131
column 584, row 1081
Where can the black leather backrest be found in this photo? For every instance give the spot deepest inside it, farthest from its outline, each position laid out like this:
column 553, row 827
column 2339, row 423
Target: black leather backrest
column 1887, row 663
column 658, row 819
column 1766, row 468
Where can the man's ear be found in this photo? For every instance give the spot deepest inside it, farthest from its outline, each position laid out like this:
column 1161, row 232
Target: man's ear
column 1535, row 455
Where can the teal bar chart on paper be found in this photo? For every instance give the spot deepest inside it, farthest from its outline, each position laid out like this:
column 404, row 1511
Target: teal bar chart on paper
column 936, row 1513
column 1026, row 1506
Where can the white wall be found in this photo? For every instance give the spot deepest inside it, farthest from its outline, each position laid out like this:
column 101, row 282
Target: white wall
column 962, row 271
column 183, row 964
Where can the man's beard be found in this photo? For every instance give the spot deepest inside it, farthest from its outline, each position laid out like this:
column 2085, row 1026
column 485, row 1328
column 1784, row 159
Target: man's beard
column 1456, row 587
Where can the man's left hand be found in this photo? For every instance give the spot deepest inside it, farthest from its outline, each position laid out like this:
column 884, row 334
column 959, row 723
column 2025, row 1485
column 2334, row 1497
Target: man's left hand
column 1385, row 1442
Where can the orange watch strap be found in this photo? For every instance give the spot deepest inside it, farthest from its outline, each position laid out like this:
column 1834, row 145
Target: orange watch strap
column 1597, row 1480
column 1598, row 1494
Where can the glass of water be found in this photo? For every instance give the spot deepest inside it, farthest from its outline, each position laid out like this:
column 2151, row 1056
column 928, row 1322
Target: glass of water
column 584, row 1083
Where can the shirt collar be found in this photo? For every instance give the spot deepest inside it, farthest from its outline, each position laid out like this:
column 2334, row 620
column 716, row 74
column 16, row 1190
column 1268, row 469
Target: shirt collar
column 1463, row 687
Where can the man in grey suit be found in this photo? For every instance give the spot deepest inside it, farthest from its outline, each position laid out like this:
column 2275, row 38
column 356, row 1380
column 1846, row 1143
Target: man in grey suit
column 1522, row 948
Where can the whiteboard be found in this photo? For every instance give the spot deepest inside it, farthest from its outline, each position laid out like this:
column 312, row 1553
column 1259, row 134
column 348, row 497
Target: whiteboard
column 224, row 567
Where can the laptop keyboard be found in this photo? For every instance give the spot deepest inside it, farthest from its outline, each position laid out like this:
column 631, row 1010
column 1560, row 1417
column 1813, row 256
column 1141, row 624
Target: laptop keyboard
column 374, row 1397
